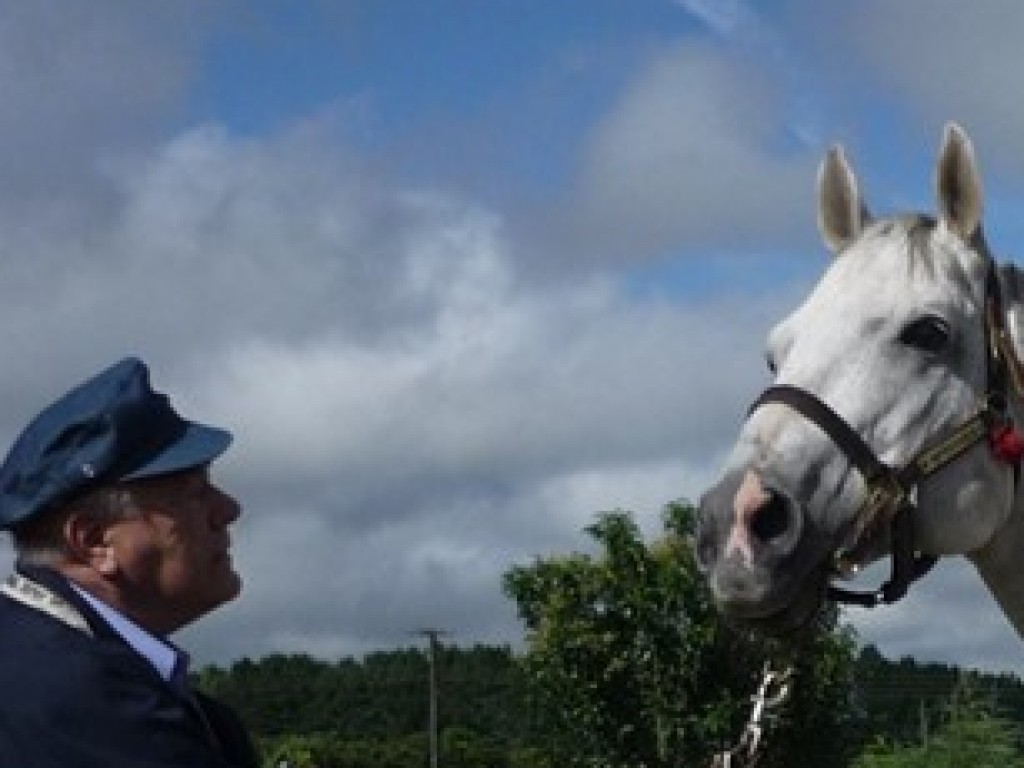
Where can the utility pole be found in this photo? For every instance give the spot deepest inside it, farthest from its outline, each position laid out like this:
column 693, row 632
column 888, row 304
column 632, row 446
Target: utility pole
column 432, row 635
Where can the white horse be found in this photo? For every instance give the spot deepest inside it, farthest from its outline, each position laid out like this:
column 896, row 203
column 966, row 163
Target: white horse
column 889, row 429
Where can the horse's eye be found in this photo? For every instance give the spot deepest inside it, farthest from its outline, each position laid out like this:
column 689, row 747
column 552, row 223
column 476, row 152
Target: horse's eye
column 928, row 334
column 769, row 360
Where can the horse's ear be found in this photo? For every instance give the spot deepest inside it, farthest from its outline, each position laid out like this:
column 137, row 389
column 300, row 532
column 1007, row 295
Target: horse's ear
column 841, row 212
column 957, row 183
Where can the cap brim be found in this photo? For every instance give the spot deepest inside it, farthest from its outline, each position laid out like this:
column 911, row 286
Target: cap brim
column 197, row 446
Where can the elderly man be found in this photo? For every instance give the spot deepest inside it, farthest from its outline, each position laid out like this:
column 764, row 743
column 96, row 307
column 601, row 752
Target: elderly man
column 121, row 540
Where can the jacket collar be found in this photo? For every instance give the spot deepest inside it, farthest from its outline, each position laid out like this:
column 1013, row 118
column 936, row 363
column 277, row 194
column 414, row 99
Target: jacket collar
column 60, row 586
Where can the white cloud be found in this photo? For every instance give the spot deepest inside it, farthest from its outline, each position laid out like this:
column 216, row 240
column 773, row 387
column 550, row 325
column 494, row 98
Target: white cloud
column 924, row 63
column 724, row 16
column 690, row 156
column 316, row 584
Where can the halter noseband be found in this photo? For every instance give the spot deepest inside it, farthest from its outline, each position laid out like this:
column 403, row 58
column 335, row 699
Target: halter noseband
column 891, row 491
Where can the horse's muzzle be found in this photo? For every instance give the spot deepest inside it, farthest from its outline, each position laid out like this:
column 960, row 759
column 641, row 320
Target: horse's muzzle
column 751, row 543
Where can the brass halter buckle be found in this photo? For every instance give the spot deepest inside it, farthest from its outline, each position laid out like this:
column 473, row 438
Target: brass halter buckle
column 885, row 496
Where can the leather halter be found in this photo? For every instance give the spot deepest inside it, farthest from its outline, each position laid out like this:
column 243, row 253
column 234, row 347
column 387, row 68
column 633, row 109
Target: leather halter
column 891, row 491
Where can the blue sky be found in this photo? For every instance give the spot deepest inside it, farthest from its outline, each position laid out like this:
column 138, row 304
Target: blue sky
column 416, row 60
column 459, row 274
column 445, row 72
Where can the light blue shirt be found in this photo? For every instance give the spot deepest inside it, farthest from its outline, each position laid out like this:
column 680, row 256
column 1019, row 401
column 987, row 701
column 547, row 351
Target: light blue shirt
column 164, row 657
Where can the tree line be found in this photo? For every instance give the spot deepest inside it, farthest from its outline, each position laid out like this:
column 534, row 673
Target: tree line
column 626, row 664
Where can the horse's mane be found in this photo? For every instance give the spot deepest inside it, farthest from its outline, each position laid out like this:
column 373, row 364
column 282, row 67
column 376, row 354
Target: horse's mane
column 1011, row 279
column 917, row 229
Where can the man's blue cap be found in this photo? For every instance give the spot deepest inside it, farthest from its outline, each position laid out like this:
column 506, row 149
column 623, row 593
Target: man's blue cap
column 112, row 428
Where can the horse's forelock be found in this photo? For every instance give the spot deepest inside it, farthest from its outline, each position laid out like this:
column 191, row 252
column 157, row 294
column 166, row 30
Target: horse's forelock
column 917, row 231
column 911, row 233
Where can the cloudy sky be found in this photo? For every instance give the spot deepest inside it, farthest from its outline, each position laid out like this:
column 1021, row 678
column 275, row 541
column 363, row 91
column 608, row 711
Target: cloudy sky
column 460, row 274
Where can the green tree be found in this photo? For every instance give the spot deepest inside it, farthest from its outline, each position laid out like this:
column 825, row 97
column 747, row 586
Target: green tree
column 384, row 695
column 629, row 663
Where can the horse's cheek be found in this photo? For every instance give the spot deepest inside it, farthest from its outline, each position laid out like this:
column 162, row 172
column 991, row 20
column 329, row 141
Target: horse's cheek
column 957, row 515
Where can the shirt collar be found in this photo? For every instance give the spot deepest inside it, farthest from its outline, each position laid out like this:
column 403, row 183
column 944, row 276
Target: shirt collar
column 168, row 661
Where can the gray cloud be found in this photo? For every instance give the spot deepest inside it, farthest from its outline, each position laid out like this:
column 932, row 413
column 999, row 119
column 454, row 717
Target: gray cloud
column 959, row 61
column 81, row 81
column 689, row 158
column 947, row 617
column 926, row 63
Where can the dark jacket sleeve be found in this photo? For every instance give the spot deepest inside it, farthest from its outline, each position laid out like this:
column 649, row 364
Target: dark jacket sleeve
column 230, row 732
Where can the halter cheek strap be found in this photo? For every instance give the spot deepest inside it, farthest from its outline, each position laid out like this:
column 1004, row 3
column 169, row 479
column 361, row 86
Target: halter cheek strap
column 890, row 492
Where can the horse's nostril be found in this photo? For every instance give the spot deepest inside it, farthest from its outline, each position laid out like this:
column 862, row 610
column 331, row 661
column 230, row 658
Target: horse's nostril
column 771, row 519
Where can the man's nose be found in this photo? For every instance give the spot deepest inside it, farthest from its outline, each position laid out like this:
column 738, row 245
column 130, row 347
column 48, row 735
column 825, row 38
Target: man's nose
column 228, row 510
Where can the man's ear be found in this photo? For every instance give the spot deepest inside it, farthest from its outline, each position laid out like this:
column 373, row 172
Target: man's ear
column 88, row 543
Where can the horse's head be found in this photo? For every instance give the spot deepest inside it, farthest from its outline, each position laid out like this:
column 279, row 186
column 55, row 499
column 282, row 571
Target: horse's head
column 893, row 343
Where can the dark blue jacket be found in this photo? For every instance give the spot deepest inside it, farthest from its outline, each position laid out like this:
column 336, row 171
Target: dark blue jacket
column 68, row 700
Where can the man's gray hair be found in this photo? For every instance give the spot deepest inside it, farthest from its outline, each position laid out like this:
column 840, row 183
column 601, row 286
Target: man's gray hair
column 40, row 540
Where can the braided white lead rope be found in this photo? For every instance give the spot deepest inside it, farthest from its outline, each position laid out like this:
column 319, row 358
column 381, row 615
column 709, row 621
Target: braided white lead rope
column 773, row 690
